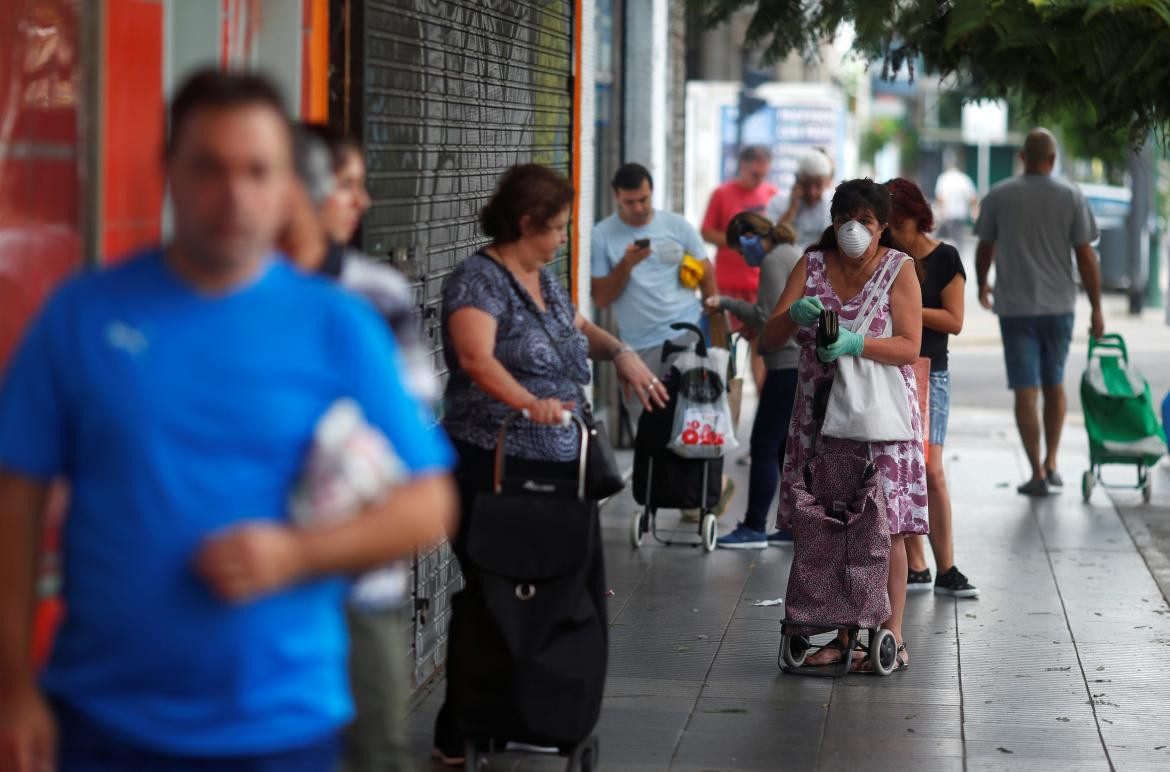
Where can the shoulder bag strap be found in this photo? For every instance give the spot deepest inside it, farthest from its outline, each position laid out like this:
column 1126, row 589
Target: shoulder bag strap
column 531, row 304
column 892, row 268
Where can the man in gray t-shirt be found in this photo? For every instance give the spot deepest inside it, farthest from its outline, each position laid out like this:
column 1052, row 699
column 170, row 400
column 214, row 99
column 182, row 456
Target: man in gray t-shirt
column 1030, row 226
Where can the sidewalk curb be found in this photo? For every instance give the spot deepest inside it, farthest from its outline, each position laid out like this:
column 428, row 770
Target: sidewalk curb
column 1156, row 561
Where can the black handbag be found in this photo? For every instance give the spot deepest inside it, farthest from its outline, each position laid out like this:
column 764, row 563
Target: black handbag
column 603, row 475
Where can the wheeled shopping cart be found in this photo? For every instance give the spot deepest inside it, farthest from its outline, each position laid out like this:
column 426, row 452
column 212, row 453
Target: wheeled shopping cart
column 840, row 560
column 1120, row 417
column 665, row 480
column 528, row 644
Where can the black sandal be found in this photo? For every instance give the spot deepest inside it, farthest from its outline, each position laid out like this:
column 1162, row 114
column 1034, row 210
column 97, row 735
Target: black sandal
column 901, row 664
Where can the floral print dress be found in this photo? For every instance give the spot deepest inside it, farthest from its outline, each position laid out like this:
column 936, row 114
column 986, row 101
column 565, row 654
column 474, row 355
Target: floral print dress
column 901, row 464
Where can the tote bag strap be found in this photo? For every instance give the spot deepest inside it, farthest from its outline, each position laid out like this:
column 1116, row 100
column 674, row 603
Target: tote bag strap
column 881, row 289
column 530, row 304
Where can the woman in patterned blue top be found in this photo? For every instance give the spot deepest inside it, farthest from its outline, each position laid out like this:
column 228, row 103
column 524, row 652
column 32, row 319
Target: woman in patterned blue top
column 513, row 341
column 511, row 336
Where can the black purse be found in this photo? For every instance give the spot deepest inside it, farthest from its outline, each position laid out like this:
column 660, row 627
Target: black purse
column 603, row 476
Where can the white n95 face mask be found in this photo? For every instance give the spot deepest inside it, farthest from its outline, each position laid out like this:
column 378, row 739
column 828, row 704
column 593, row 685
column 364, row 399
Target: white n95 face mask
column 853, row 239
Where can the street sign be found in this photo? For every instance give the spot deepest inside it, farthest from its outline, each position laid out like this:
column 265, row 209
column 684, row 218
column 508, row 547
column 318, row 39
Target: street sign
column 985, row 122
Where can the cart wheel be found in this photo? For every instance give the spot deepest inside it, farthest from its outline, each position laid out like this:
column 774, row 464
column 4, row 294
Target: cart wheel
column 793, row 650
column 637, row 532
column 1148, row 490
column 883, row 650
column 710, row 531
column 1087, row 482
column 470, row 756
column 586, row 756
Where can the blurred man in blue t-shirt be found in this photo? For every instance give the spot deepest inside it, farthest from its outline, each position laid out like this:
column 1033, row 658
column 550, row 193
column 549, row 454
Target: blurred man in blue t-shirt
column 178, row 393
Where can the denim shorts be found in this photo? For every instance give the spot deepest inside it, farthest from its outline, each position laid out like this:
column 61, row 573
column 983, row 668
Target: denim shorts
column 940, row 406
column 1035, row 349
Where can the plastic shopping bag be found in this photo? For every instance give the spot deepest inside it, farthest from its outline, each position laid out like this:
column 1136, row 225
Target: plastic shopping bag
column 350, row 464
column 702, row 425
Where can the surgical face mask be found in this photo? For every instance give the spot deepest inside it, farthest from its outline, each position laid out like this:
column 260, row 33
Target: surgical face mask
column 853, row 239
column 752, row 249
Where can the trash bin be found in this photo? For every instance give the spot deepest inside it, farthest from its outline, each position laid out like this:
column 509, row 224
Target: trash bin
column 1110, row 206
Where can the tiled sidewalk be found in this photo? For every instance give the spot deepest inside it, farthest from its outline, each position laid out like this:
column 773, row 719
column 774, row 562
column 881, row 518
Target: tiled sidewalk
column 1063, row 662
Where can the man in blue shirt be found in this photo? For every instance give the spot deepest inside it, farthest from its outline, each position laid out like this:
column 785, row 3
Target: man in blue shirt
column 636, row 255
column 178, row 394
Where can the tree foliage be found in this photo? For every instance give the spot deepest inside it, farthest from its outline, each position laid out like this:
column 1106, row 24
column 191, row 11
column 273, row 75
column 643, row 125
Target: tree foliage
column 1103, row 60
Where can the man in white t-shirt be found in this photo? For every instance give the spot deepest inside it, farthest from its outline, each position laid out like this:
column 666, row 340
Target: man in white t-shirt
column 956, row 201
column 637, row 252
column 806, row 207
column 636, row 255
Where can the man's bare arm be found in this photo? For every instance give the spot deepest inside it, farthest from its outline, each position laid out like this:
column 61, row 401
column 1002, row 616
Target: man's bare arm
column 1090, row 272
column 714, row 236
column 257, row 558
column 606, row 289
column 984, row 256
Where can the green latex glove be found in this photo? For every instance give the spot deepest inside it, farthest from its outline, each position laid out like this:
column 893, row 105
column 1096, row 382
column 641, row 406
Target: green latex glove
column 806, row 311
column 848, row 343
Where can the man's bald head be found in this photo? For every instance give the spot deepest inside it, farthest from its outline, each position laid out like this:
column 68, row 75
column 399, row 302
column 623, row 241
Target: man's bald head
column 1039, row 152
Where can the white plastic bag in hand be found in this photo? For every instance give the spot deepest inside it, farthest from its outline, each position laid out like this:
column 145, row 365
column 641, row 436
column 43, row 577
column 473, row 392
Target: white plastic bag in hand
column 349, row 465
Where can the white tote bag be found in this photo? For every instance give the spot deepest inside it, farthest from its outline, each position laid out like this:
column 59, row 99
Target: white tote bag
column 868, row 401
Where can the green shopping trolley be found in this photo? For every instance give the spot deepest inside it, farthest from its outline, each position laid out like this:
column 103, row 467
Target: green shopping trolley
column 1120, row 417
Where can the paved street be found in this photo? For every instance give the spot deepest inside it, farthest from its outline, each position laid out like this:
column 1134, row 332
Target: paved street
column 1062, row 662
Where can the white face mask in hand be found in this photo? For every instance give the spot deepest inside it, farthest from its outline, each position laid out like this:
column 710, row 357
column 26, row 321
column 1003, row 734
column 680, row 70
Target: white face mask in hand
column 853, row 239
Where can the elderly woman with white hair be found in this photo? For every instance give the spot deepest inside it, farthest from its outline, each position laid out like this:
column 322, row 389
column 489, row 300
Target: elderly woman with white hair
column 805, row 208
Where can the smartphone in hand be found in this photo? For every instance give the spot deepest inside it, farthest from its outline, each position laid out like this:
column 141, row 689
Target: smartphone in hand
column 642, row 243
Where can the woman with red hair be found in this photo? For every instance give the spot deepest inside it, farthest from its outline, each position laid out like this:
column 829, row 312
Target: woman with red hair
column 940, row 271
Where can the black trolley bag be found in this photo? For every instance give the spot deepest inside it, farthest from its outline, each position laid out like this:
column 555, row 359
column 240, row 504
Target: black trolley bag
column 528, row 641
column 677, row 482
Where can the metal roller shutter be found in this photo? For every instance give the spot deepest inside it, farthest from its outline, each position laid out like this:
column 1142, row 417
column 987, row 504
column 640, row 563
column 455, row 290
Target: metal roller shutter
column 452, row 94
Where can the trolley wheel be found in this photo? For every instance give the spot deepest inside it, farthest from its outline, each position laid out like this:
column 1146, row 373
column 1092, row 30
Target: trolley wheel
column 637, row 532
column 471, row 757
column 1088, row 480
column 793, row 650
column 883, row 650
column 710, row 531
column 586, row 756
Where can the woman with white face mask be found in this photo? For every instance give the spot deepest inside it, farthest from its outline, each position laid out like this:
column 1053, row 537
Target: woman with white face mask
column 845, row 272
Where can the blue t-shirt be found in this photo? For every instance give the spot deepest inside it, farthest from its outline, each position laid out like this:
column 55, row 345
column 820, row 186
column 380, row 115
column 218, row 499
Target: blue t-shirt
column 175, row 414
column 654, row 298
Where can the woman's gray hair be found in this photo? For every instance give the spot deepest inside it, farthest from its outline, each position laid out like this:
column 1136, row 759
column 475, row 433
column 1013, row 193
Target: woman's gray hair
column 314, row 165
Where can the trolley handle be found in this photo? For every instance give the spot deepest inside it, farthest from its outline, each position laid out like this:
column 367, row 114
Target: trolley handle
column 567, row 418
column 1108, row 342
column 701, row 345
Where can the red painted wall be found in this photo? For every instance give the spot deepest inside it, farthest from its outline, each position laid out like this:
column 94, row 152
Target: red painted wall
column 39, row 158
column 40, row 191
column 132, row 178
